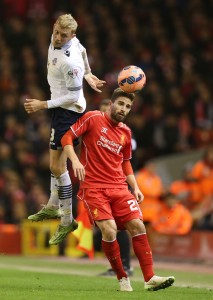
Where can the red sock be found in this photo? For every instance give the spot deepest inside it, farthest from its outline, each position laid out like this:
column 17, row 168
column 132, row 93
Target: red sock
column 112, row 252
column 144, row 254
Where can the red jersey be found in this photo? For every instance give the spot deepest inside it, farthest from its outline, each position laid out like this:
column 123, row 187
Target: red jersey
column 105, row 145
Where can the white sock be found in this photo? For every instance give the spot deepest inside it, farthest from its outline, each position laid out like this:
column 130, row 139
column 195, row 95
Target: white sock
column 53, row 200
column 65, row 198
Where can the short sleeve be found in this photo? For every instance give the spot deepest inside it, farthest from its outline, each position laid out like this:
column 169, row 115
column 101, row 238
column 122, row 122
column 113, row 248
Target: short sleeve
column 73, row 75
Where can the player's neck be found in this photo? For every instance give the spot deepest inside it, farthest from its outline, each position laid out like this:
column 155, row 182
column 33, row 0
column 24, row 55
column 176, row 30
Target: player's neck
column 110, row 119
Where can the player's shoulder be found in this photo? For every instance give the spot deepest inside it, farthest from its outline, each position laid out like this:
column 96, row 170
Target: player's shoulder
column 94, row 113
column 75, row 41
column 124, row 126
column 73, row 45
column 92, row 117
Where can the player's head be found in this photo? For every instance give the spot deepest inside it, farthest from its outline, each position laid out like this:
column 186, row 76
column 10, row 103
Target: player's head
column 104, row 105
column 64, row 30
column 121, row 104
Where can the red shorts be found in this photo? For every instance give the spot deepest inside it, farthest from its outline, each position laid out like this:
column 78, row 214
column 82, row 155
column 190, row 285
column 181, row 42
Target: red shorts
column 104, row 204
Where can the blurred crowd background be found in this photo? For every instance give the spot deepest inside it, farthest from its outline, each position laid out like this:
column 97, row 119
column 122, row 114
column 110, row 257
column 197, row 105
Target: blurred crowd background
column 171, row 40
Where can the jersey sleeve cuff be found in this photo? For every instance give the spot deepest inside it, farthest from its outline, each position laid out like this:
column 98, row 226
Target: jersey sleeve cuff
column 67, row 139
column 127, row 168
column 49, row 104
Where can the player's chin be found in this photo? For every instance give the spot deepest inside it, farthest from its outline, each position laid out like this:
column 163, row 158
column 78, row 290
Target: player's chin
column 120, row 117
column 57, row 45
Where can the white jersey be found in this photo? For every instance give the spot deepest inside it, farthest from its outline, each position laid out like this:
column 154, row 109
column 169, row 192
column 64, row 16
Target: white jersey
column 65, row 76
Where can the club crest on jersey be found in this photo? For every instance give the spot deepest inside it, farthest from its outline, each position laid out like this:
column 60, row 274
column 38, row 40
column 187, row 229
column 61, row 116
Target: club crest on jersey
column 73, row 73
column 122, row 139
column 67, row 53
column 54, row 61
column 95, row 213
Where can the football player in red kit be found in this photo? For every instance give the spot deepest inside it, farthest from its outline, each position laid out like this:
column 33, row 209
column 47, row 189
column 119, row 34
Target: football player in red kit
column 104, row 170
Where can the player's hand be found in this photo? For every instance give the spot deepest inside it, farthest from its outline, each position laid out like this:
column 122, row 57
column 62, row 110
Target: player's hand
column 138, row 195
column 94, row 82
column 33, row 105
column 78, row 170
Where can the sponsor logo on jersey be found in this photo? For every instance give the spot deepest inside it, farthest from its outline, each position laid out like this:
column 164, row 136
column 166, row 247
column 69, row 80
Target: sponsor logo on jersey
column 54, row 61
column 110, row 145
column 104, row 130
column 73, row 73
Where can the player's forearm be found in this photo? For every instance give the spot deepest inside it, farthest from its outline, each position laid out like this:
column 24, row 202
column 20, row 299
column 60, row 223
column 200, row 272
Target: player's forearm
column 132, row 181
column 67, row 145
column 128, row 171
column 78, row 168
column 69, row 151
column 70, row 97
column 86, row 62
column 33, row 105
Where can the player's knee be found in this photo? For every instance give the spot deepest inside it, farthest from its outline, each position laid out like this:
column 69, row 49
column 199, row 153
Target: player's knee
column 109, row 232
column 135, row 227
column 55, row 169
column 109, row 235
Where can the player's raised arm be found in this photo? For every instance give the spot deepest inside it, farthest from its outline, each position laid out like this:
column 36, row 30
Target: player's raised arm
column 92, row 80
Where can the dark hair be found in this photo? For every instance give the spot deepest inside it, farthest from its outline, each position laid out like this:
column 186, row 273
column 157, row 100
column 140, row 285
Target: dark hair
column 105, row 101
column 120, row 93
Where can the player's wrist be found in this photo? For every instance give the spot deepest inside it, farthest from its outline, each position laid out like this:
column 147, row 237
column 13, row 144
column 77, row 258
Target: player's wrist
column 87, row 74
column 44, row 105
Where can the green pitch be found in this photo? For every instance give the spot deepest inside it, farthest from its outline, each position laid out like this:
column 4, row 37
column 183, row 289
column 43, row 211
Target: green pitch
column 24, row 278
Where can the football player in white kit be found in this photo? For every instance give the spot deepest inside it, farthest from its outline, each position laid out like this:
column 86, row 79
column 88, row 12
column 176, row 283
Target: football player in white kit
column 67, row 66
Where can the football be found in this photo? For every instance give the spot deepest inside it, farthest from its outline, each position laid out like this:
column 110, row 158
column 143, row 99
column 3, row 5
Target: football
column 131, row 79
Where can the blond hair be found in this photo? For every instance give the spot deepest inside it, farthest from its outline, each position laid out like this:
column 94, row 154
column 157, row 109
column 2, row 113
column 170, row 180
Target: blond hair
column 67, row 21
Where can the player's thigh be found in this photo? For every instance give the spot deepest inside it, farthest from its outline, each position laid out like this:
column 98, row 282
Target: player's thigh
column 58, row 161
column 96, row 203
column 124, row 206
column 61, row 121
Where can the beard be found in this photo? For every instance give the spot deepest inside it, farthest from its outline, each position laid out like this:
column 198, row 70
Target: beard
column 117, row 117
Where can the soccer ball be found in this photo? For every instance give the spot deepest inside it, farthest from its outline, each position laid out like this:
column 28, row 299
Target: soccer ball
column 131, row 79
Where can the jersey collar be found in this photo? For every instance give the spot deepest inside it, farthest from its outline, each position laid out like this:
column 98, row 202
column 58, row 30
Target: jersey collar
column 65, row 47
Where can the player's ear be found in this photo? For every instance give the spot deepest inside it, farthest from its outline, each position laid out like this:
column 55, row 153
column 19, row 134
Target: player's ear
column 73, row 35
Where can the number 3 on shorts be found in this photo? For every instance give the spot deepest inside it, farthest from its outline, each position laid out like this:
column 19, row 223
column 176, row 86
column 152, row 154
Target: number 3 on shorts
column 52, row 136
column 133, row 204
